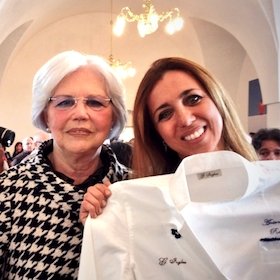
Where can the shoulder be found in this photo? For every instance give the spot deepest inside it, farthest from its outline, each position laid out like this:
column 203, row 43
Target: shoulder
column 145, row 182
column 18, row 175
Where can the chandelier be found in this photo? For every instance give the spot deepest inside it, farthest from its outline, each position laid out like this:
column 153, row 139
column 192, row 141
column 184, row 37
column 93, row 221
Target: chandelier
column 148, row 22
column 123, row 70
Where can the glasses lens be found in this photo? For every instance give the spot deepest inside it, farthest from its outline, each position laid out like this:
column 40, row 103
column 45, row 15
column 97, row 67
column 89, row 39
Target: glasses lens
column 68, row 102
column 97, row 103
column 63, row 102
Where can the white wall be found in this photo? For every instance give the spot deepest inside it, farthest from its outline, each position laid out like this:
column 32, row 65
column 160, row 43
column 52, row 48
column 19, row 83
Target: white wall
column 84, row 34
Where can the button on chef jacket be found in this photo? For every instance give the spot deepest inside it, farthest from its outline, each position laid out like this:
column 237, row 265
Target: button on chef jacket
column 216, row 217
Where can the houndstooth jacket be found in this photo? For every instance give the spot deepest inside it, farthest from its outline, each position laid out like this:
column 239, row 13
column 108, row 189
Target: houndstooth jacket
column 40, row 232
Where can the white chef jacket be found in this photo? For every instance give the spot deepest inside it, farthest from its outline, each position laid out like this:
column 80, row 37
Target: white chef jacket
column 216, row 217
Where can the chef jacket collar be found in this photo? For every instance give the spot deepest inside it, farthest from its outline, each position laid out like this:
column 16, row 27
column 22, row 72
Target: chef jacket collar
column 214, row 177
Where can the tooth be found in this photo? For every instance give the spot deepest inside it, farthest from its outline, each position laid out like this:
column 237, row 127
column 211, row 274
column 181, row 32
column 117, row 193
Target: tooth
column 195, row 134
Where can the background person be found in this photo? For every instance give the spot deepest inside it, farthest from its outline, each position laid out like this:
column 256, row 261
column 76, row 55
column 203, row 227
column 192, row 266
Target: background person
column 267, row 143
column 28, row 146
column 17, row 149
column 78, row 99
column 38, row 138
column 4, row 165
column 6, row 157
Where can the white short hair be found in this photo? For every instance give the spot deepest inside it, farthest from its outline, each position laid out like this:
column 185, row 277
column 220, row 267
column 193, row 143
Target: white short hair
column 50, row 75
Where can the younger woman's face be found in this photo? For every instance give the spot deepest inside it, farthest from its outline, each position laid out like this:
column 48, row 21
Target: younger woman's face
column 185, row 116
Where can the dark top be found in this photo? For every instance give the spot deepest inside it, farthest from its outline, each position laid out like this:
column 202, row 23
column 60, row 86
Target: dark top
column 19, row 157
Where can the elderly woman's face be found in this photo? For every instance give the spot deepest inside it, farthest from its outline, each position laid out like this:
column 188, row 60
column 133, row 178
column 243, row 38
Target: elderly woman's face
column 83, row 127
column 185, row 116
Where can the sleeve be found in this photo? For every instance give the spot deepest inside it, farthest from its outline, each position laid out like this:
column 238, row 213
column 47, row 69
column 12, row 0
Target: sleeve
column 106, row 244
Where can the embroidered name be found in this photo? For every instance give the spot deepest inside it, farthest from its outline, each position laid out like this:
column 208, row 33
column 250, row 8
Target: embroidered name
column 268, row 222
column 175, row 233
column 273, row 227
column 164, row 261
column 209, row 174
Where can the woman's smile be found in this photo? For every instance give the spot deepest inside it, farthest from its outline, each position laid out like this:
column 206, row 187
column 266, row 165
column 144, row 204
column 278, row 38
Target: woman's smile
column 194, row 135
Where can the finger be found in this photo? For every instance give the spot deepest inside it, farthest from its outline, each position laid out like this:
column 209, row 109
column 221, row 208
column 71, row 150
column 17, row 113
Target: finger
column 104, row 191
column 96, row 192
column 83, row 217
column 92, row 202
column 106, row 181
column 84, row 213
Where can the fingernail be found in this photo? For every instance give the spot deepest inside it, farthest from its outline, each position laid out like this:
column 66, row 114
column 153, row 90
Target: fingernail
column 105, row 180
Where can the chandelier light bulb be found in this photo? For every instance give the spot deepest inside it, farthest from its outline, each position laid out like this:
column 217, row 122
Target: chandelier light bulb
column 178, row 23
column 174, row 25
column 146, row 27
column 131, row 71
column 152, row 22
column 169, row 28
column 141, row 28
column 119, row 26
column 148, row 22
column 122, row 70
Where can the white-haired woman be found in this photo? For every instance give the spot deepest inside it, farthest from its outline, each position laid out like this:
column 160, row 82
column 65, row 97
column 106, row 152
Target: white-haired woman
column 78, row 99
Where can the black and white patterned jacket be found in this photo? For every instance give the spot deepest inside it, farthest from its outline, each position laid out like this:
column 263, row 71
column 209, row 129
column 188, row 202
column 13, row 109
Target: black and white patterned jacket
column 40, row 232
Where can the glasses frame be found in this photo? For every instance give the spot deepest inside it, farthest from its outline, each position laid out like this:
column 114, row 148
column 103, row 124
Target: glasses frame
column 105, row 101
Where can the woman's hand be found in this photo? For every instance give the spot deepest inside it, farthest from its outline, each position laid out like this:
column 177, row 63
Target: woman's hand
column 95, row 200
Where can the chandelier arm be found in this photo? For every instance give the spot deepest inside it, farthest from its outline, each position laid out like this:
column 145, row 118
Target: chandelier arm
column 165, row 15
column 129, row 15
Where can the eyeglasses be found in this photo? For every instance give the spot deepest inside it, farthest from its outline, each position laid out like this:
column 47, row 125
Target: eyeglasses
column 65, row 102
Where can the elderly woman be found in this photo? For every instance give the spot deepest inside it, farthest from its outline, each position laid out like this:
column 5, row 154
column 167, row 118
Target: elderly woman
column 78, row 99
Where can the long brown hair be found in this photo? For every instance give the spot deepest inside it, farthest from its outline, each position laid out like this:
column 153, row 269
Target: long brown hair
column 151, row 156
